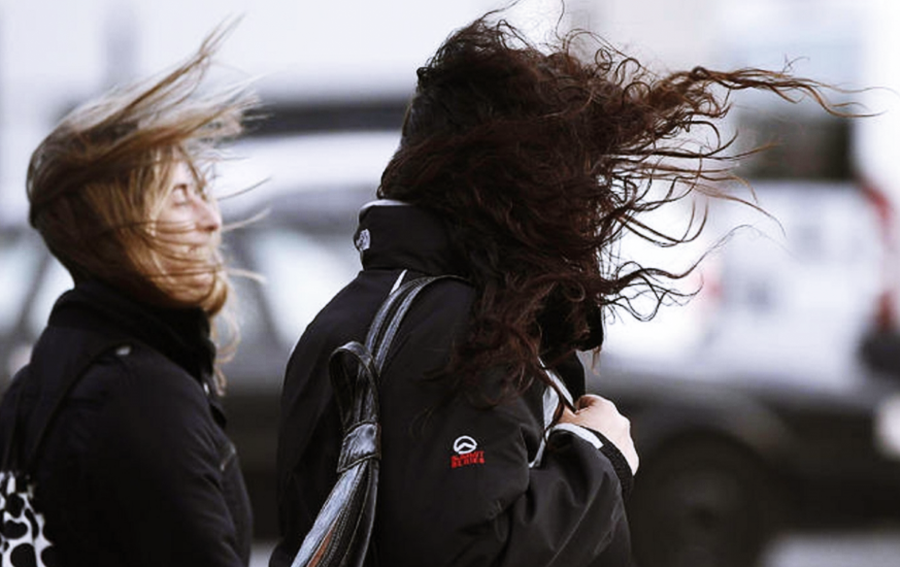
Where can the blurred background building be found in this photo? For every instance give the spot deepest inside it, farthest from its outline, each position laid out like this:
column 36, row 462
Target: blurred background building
column 786, row 304
column 54, row 54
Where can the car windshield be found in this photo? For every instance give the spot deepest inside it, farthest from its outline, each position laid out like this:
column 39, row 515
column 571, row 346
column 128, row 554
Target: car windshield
column 302, row 273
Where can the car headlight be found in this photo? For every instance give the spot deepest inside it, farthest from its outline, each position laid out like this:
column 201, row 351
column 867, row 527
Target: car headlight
column 887, row 427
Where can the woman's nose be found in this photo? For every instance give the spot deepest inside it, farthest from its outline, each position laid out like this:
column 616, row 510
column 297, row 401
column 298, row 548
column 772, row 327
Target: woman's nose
column 208, row 216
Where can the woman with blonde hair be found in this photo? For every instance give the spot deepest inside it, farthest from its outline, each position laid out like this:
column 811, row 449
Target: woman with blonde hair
column 134, row 467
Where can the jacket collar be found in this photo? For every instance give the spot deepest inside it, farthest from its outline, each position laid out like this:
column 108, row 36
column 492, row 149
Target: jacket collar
column 182, row 335
column 395, row 235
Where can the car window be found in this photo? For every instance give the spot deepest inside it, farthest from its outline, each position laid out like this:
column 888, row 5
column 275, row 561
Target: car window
column 20, row 259
column 54, row 282
column 302, row 273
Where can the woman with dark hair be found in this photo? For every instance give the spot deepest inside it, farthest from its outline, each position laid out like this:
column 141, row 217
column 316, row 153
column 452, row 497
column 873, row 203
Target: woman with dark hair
column 135, row 468
column 519, row 169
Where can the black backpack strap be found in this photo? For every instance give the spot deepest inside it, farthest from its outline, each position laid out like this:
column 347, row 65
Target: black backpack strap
column 358, row 402
column 343, row 527
column 387, row 321
column 58, row 376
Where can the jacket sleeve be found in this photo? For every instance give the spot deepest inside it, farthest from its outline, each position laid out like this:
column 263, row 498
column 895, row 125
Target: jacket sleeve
column 463, row 485
column 160, row 463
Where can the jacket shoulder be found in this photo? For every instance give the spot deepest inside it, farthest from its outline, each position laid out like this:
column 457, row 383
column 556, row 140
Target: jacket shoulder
column 136, row 370
column 444, row 301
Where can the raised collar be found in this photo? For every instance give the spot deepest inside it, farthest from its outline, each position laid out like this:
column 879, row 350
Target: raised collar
column 182, row 335
column 396, row 235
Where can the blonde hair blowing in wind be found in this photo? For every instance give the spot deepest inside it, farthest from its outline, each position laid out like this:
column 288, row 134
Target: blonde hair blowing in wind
column 96, row 181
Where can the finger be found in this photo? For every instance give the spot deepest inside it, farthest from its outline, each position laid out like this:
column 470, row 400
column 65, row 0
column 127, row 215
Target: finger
column 567, row 415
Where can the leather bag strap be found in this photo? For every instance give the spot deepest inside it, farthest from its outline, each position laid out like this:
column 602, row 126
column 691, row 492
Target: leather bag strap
column 343, row 528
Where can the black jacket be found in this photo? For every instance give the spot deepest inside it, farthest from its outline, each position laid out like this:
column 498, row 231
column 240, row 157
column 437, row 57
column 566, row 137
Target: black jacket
column 461, row 483
column 136, row 469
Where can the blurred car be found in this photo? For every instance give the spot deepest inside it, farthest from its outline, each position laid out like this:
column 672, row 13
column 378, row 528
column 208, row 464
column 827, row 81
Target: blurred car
column 751, row 406
column 732, row 452
column 728, row 462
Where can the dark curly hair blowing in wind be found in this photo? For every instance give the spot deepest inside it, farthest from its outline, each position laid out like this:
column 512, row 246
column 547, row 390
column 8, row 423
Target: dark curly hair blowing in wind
column 539, row 161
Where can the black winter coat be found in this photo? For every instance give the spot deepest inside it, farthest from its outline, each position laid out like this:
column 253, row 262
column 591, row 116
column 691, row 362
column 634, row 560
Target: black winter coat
column 136, row 470
column 461, row 483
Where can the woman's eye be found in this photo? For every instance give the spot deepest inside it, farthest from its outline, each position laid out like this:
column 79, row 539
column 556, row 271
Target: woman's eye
column 180, row 194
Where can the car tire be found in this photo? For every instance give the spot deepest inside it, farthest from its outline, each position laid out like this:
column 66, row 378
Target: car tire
column 702, row 503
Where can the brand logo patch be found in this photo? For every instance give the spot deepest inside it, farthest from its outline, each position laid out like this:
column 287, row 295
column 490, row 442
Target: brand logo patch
column 466, row 451
column 363, row 240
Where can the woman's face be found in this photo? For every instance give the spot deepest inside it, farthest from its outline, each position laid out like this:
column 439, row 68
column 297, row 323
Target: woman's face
column 187, row 227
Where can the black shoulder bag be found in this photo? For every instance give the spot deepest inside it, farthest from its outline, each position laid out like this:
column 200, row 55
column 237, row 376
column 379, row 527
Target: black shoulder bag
column 342, row 530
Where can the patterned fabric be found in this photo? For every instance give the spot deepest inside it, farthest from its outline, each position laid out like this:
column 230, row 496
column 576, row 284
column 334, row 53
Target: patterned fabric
column 22, row 539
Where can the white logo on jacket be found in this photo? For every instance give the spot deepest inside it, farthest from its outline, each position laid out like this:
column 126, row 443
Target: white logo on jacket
column 363, row 240
column 464, row 445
